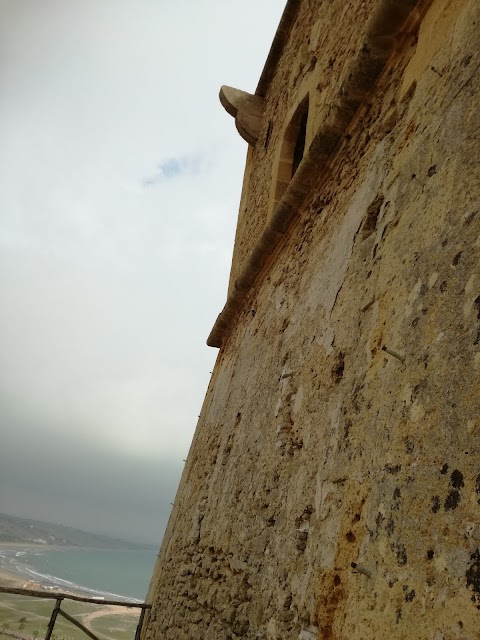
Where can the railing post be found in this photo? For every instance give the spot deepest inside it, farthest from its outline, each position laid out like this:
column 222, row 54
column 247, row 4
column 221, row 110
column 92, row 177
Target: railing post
column 53, row 617
column 138, row 632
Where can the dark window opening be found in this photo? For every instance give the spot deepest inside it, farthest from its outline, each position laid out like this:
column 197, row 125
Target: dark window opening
column 300, row 142
column 293, row 148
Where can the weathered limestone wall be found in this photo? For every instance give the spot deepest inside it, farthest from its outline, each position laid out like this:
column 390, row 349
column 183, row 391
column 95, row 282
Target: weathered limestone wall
column 316, row 449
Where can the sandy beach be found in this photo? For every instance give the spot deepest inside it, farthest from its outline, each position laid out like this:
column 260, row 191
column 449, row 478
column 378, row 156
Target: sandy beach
column 10, row 579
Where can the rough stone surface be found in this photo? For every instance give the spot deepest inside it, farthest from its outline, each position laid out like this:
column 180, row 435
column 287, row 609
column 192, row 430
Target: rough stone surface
column 332, row 489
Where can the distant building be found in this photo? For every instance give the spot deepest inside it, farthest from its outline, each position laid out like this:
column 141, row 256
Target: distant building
column 332, row 490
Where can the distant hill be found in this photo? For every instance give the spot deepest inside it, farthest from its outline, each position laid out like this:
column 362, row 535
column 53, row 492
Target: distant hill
column 23, row 530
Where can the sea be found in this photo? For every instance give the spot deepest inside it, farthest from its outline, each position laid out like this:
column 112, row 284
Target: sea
column 110, row 574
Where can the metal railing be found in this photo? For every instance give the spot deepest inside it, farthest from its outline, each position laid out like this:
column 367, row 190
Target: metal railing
column 57, row 610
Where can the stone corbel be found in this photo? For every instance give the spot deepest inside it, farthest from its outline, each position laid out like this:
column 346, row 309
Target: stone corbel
column 247, row 109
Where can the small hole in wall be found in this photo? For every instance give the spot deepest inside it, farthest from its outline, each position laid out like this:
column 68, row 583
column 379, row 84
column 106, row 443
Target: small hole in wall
column 371, row 218
column 476, row 304
column 268, row 134
column 338, row 368
column 351, row 536
column 337, row 580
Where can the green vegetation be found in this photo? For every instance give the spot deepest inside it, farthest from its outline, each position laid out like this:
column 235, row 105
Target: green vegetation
column 24, row 617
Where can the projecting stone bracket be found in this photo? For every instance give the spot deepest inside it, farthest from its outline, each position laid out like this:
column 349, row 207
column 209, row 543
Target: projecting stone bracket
column 247, row 109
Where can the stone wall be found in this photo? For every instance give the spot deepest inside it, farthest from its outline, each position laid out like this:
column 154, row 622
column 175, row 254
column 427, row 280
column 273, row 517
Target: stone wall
column 332, row 489
column 314, row 61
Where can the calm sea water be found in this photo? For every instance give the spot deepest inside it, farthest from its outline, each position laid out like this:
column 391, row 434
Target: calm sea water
column 102, row 572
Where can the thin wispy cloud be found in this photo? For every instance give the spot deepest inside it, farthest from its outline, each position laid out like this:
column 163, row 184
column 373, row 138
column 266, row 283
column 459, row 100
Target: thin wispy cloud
column 173, row 168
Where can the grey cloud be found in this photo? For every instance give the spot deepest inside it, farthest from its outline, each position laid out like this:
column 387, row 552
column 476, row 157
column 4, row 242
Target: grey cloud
column 109, row 289
column 74, row 483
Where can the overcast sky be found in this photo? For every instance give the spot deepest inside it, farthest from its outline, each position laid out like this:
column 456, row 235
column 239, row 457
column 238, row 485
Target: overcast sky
column 120, row 183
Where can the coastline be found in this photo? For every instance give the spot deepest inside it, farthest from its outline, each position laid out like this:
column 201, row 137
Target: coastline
column 12, row 577
column 15, row 574
column 8, row 576
column 121, row 621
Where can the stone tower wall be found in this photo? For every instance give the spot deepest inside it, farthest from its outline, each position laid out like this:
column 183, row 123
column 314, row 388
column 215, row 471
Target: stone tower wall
column 332, row 489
